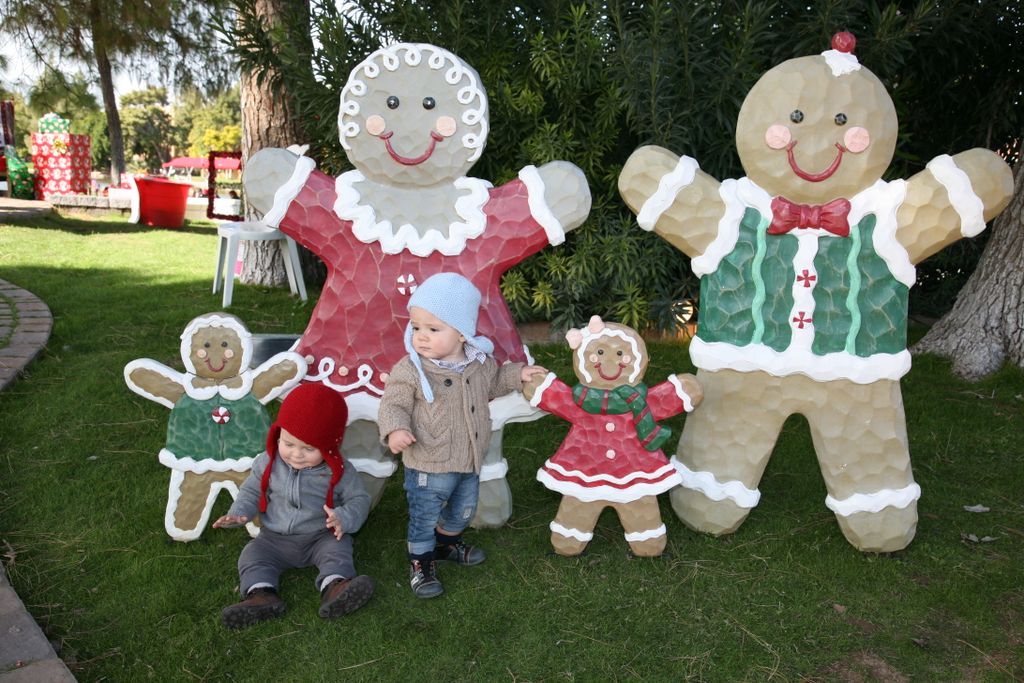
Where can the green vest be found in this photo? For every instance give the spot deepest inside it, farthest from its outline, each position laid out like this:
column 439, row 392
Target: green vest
column 193, row 432
column 860, row 307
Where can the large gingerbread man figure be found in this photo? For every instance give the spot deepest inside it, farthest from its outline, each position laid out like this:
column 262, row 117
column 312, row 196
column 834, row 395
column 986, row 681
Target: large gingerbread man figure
column 805, row 268
column 612, row 456
column 413, row 120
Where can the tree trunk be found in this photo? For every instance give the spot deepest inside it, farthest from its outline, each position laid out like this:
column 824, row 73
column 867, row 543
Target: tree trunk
column 985, row 328
column 269, row 120
column 117, row 167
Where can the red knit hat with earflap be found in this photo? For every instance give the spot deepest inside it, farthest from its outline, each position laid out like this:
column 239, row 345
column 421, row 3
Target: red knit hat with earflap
column 315, row 414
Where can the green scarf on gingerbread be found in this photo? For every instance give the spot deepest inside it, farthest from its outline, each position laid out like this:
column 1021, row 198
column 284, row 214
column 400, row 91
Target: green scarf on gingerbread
column 624, row 399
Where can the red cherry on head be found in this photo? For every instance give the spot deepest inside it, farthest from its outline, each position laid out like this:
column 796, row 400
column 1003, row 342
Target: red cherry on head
column 844, row 41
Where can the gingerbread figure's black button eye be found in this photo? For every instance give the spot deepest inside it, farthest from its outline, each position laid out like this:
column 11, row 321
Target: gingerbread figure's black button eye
column 796, row 116
column 840, row 119
column 206, row 345
column 618, row 353
column 600, row 352
column 392, row 102
column 429, row 103
column 224, row 345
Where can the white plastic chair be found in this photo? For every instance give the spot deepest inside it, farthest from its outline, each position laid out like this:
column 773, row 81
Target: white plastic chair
column 231, row 236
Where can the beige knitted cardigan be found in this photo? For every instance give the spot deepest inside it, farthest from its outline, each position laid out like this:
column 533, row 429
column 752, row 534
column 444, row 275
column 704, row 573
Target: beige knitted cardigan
column 453, row 432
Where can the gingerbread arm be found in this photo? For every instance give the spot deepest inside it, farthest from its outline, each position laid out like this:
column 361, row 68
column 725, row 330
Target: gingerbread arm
column 265, row 172
column 672, row 196
column 952, row 198
column 566, row 193
column 277, row 375
column 155, row 381
column 681, row 393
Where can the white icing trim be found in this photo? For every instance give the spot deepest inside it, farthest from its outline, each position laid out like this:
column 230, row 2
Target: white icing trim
column 588, row 336
column 831, row 366
column 638, row 536
column 728, row 231
column 803, row 297
column 681, row 393
column 749, row 193
column 841, row 63
column 381, row 469
column 529, row 358
column 961, row 195
column 187, row 464
column 512, row 407
column 706, row 483
column 628, row 479
column 874, row 502
column 538, row 394
column 285, row 194
column 576, row 534
column 225, row 392
column 670, row 185
column 589, row 494
column 368, row 229
column 539, row 209
column 884, row 200
column 174, row 494
column 494, row 470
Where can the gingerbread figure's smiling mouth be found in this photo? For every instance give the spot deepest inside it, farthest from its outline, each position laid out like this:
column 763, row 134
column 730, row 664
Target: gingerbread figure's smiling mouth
column 609, row 378
column 814, row 177
column 223, row 362
column 435, row 138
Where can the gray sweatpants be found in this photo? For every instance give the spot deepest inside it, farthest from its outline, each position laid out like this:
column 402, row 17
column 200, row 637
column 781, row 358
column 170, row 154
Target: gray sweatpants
column 264, row 558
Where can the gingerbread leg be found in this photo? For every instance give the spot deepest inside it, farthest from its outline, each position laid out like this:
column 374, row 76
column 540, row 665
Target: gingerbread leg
column 641, row 520
column 860, row 436
column 573, row 526
column 364, row 451
column 190, row 499
column 494, row 506
column 724, row 448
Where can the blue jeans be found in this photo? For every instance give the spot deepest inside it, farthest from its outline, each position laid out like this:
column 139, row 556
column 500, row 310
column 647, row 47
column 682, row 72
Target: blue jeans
column 445, row 500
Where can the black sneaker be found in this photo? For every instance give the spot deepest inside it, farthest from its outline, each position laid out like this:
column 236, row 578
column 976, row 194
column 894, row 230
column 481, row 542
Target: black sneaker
column 259, row 605
column 460, row 553
column 423, row 579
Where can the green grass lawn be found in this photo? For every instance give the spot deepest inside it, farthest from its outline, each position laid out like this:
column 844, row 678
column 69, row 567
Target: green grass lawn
column 785, row 598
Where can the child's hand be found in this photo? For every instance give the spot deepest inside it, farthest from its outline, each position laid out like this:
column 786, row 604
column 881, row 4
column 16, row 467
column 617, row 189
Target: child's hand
column 333, row 523
column 230, row 521
column 399, row 440
column 531, row 371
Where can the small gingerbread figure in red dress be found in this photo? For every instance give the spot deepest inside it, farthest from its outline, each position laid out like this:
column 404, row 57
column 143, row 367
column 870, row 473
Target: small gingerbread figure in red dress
column 612, row 455
column 413, row 120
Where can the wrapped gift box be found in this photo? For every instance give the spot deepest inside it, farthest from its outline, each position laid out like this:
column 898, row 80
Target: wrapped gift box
column 53, row 123
column 62, row 163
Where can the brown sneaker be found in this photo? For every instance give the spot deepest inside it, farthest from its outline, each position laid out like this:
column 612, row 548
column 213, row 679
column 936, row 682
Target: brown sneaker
column 259, row 605
column 343, row 596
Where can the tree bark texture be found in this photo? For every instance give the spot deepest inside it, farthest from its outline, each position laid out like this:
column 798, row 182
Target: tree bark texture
column 985, row 327
column 117, row 167
column 269, row 119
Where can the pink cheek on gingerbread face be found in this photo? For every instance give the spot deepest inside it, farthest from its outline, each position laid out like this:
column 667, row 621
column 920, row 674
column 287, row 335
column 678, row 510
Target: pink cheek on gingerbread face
column 593, row 357
column 445, row 126
column 777, row 137
column 857, row 139
column 375, row 124
column 229, row 354
column 201, row 354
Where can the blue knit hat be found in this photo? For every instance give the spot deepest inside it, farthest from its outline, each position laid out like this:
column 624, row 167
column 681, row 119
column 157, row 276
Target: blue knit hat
column 455, row 301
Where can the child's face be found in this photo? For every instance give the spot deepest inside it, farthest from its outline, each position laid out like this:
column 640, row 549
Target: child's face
column 297, row 453
column 433, row 339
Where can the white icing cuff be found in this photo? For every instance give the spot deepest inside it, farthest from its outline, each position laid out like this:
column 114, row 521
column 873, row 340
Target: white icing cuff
column 287, row 192
column 381, row 469
column 494, row 470
column 548, row 380
column 874, row 502
column 187, row 464
column 571, row 533
column 512, row 407
column 841, row 63
column 668, row 187
column 795, row 361
column 612, row 494
column 706, row 483
column 681, row 393
column 638, row 536
column 539, row 209
column 961, row 195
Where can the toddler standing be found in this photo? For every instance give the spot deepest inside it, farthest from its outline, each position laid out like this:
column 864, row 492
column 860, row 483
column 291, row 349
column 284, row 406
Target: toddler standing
column 435, row 413
column 308, row 503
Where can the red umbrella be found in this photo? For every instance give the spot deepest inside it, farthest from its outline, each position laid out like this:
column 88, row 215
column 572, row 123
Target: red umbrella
column 221, row 163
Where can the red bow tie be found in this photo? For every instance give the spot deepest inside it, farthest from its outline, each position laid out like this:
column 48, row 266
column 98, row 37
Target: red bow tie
column 831, row 217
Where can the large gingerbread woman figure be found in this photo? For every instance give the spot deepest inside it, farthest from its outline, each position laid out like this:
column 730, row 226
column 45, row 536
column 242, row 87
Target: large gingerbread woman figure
column 612, row 455
column 218, row 421
column 413, row 120
column 805, row 268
